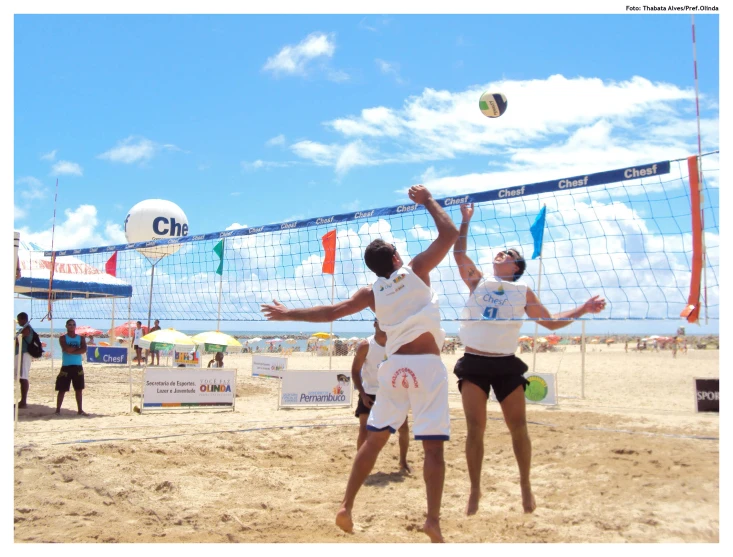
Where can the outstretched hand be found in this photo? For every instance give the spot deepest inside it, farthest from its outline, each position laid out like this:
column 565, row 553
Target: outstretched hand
column 466, row 211
column 275, row 311
column 419, row 194
column 594, row 305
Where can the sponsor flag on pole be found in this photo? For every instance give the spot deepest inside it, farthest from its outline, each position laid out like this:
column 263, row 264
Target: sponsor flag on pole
column 329, row 246
column 538, row 231
column 219, row 250
column 111, row 266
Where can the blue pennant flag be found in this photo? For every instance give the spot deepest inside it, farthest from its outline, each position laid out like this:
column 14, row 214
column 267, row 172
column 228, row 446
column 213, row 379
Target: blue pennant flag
column 538, row 230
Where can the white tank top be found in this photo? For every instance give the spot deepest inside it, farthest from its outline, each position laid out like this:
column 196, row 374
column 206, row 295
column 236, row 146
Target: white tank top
column 376, row 355
column 406, row 307
column 495, row 310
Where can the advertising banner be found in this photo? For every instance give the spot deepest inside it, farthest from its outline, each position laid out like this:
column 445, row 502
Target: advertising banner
column 174, row 387
column 315, row 388
column 187, row 359
column 268, row 366
column 542, row 389
column 707, row 395
column 107, row 354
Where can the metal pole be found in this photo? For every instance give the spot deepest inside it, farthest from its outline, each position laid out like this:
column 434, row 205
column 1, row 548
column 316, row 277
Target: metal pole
column 534, row 340
column 150, row 301
column 129, row 359
column 330, row 340
column 582, row 361
column 221, row 278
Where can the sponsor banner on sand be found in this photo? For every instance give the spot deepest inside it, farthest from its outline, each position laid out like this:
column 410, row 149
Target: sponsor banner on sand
column 268, row 366
column 707, row 395
column 314, row 388
column 542, row 389
column 107, row 355
column 173, row 387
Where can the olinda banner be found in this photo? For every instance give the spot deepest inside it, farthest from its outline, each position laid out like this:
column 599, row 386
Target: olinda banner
column 107, row 354
column 542, row 389
column 315, row 388
column 175, row 387
column 268, row 366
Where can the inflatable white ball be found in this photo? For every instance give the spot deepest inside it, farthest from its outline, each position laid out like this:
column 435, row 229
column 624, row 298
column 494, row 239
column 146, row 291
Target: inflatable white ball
column 156, row 219
column 492, row 105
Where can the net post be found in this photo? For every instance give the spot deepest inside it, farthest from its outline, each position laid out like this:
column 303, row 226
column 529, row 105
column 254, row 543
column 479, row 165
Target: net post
column 582, row 360
column 330, row 340
column 129, row 359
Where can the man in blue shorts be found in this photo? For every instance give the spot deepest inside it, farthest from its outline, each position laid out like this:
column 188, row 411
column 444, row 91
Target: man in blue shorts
column 73, row 346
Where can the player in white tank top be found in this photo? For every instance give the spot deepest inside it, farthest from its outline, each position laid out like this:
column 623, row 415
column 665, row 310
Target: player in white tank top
column 370, row 354
column 493, row 312
column 419, row 380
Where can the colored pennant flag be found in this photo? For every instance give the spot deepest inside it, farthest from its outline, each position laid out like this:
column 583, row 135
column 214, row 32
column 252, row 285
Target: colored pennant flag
column 111, row 267
column 219, row 250
column 329, row 246
column 538, row 231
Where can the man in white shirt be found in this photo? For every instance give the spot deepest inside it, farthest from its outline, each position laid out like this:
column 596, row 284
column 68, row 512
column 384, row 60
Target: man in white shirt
column 413, row 375
column 490, row 326
column 370, row 353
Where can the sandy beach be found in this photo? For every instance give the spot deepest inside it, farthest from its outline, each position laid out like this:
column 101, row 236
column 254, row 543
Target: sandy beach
column 629, row 462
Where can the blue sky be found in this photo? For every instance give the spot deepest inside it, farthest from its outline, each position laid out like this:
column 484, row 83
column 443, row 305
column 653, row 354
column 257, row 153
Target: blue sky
column 250, row 120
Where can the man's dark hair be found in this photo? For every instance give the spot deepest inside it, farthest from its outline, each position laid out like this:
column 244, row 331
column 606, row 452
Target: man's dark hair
column 70, row 320
column 22, row 314
column 378, row 257
column 139, row 323
column 519, row 261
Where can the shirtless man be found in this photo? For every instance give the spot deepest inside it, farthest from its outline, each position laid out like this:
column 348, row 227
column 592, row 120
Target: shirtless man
column 413, row 375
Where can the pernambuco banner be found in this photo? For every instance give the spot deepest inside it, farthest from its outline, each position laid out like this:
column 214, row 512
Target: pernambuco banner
column 314, row 388
column 174, row 387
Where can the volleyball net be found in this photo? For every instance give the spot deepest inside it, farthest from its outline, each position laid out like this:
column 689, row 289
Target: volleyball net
column 624, row 234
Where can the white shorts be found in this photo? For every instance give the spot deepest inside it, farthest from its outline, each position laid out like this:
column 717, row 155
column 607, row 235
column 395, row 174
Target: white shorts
column 419, row 382
column 25, row 370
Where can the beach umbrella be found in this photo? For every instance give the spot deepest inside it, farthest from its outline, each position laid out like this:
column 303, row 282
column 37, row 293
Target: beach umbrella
column 542, row 340
column 553, row 339
column 274, row 340
column 256, row 339
column 610, row 340
column 524, row 338
column 87, row 331
column 122, row 330
column 216, row 341
column 355, row 339
column 290, row 340
column 595, row 341
column 165, row 339
column 322, row 335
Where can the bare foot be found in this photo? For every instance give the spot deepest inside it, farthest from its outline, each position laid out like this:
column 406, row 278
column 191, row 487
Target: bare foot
column 432, row 529
column 58, row 412
column 472, row 506
column 22, row 405
column 528, row 501
column 343, row 520
column 82, row 413
column 405, row 468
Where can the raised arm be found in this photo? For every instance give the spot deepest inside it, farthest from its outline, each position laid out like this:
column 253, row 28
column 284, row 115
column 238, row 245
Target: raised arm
column 536, row 310
column 426, row 261
column 470, row 274
column 362, row 299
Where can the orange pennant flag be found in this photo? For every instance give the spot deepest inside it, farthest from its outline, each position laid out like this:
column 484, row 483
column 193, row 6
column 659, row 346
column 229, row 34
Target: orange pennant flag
column 329, row 246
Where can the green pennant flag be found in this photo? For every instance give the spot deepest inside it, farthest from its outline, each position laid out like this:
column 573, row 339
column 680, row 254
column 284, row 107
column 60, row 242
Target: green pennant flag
column 219, row 250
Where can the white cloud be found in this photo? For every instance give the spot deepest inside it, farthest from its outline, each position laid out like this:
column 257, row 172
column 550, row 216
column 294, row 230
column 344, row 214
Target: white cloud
column 579, row 119
column 260, row 164
column 275, row 141
column 18, row 213
column 79, row 229
column 49, row 156
column 32, row 188
column 66, row 167
column 135, row 149
column 342, row 157
column 390, row 68
column 295, row 60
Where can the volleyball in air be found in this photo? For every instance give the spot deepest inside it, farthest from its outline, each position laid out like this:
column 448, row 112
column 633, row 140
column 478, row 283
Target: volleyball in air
column 492, row 105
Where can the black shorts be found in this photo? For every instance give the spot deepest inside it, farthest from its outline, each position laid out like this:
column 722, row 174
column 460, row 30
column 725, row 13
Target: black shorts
column 70, row 375
column 503, row 373
column 360, row 408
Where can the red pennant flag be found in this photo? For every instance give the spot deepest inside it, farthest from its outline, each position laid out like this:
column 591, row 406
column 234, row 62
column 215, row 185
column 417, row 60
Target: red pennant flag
column 111, row 267
column 329, row 246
